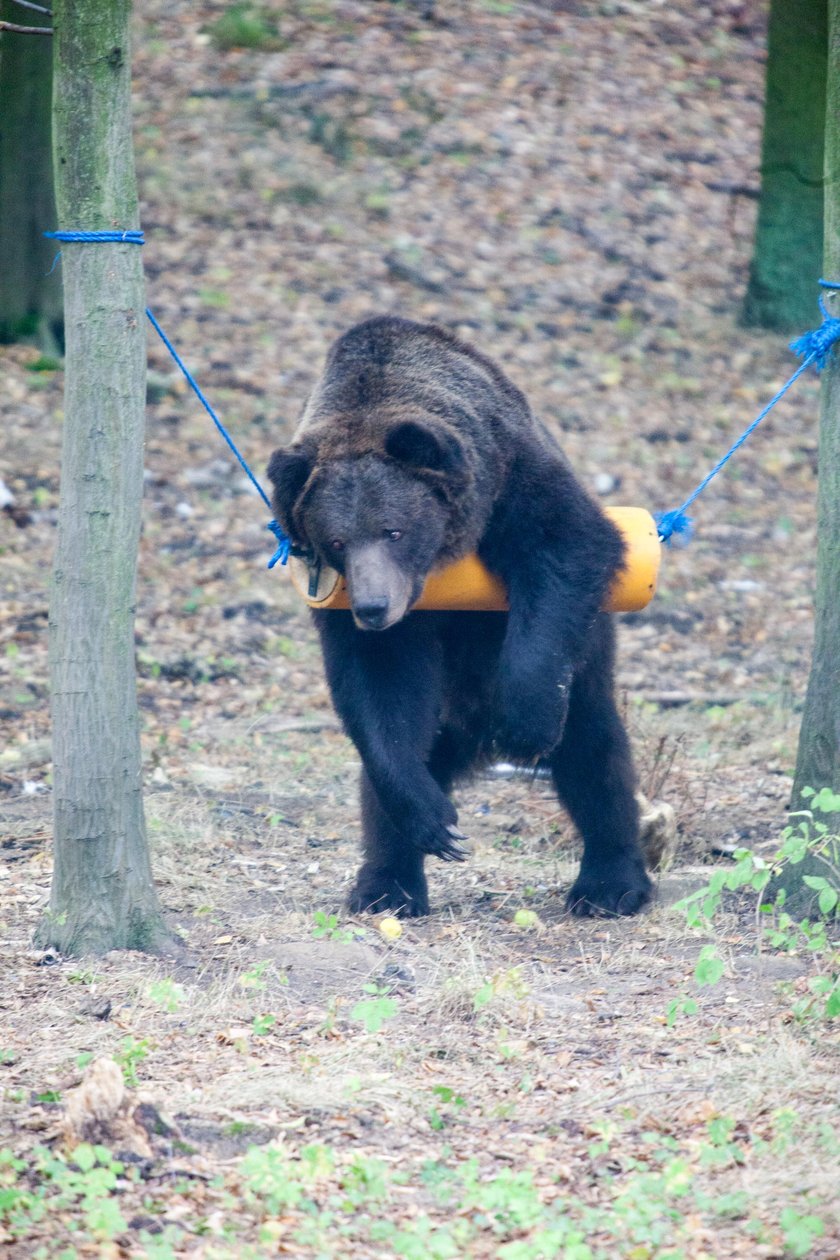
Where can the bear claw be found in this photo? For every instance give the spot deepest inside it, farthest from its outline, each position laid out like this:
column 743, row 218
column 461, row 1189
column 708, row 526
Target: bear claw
column 453, row 851
column 444, row 843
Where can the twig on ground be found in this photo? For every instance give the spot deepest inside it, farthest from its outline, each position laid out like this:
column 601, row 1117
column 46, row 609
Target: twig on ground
column 673, row 699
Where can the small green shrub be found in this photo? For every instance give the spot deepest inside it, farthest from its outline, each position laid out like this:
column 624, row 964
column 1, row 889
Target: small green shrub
column 376, row 1010
column 245, row 26
column 810, row 836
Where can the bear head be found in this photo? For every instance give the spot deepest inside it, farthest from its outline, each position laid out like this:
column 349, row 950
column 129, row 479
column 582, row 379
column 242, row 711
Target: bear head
column 379, row 510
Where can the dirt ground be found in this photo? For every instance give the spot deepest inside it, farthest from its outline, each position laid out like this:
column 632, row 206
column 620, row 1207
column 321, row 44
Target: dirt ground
column 569, row 185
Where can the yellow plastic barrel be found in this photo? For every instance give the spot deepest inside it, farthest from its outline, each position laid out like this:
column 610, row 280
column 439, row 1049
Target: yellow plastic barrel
column 468, row 586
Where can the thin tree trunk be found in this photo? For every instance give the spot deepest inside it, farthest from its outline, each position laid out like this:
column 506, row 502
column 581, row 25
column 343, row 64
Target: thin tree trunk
column 818, row 759
column 30, row 297
column 102, row 893
column 788, row 239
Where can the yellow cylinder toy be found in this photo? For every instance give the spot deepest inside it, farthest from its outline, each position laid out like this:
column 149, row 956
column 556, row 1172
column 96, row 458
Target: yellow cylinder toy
column 468, row 586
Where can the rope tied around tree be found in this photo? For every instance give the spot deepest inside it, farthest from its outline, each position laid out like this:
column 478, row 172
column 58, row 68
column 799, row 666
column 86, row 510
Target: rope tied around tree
column 116, row 236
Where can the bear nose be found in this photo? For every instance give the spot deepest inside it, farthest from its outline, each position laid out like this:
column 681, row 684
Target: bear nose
column 371, row 614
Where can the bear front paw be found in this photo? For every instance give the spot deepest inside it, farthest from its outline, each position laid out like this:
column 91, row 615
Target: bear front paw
column 433, row 830
column 380, row 889
column 620, row 889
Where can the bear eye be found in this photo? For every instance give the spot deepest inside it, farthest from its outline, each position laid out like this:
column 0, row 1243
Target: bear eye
column 337, row 544
column 394, row 534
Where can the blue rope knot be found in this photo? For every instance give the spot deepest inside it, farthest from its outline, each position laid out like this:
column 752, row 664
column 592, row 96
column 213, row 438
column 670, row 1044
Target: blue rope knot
column 674, row 527
column 284, row 544
column 815, row 345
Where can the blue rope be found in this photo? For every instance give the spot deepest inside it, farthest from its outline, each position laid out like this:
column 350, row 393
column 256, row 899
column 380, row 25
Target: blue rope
column 132, row 237
column 284, row 543
column 117, row 236
column 127, row 236
column 815, row 346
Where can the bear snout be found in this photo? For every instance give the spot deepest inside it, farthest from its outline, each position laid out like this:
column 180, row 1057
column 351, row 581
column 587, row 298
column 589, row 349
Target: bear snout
column 380, row 592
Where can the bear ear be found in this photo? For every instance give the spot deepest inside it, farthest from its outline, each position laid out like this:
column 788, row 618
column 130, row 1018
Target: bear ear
column 420, row 447
column 289, row 470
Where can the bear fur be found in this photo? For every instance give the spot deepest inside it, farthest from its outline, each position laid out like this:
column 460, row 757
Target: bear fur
column 412, row 451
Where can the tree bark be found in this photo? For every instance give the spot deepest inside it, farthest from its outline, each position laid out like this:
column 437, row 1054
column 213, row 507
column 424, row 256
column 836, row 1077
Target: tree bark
column 102, row 893
column 818, row 758
column 788, row 239
column 30, row 298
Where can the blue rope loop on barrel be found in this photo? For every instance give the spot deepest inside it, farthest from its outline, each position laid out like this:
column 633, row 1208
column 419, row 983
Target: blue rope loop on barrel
column 675, row 527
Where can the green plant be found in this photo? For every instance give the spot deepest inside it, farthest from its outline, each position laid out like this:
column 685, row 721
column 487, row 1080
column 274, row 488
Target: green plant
column 268, row 1177
column 263, row 1024
column 49, row 1096
column 452, row 1103
column 18, row 1203
column 810, row 837
column 88, row 1179
column 421, row 1239
column 85, row 1182
column 82, row 977
column 327, row 927
column 721, row 1150
column 44, row 364
column 709, row 967
column 167, row 994
column 682, row 1005
column 375, row 1010
column 245, row 26
column 130, row 1054
column 277, row 1181
column 255, row 978
column 365, row 1181
column 500, row 985
column 800, row 1232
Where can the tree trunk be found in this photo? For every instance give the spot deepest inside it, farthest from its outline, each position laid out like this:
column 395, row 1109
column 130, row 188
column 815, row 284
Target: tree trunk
column 788, row 239
column 818, row 759
column 30, row 298
column 102, row 893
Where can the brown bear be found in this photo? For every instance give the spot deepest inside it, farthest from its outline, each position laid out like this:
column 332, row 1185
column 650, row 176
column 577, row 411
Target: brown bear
column 412, row 451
